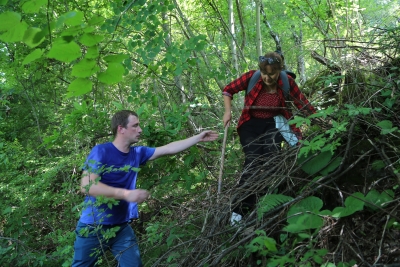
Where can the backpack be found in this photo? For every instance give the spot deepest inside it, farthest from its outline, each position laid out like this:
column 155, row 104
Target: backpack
column 284, row 76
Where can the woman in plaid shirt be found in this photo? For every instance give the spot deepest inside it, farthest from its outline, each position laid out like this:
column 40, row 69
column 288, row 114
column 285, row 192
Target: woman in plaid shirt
column 258, row 135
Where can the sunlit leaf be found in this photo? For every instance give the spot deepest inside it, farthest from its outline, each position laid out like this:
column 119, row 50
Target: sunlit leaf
column 33, row 37
column 8, row 20
column 113, row 74
column 65, row 52
column 96, row 20
column 92, row 52
column 90, row 39
column 79, row 86
column 15, row 33
column 35, row 54
column 84, row 68
column 116, row 58
column 33, row 6
column 73, row 18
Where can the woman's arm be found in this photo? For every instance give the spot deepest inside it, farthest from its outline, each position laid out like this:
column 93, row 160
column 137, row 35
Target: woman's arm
column 228, row 109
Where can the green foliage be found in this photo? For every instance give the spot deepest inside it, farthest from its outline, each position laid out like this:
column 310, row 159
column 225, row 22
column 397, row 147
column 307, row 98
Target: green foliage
column 263, row 244
column 269, row 202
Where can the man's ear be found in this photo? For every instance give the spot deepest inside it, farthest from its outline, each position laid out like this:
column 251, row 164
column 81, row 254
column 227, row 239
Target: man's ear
column 120, row 129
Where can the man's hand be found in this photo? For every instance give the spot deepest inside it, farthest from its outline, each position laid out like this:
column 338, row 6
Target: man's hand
column 207, row 136
column 136, row 195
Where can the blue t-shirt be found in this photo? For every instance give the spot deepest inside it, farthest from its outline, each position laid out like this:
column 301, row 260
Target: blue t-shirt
column 116, row 169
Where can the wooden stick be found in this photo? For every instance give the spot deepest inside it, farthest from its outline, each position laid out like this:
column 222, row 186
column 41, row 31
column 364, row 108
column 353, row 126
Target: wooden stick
column 222, row 159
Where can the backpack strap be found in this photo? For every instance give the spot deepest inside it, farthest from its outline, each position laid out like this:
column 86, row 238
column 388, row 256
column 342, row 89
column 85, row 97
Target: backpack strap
column 285, row 80
column 253, row 80
column 286, row 86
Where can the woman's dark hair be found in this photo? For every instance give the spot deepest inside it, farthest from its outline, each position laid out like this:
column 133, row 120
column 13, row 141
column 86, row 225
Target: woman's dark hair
column 271, row 59
column 121, row 118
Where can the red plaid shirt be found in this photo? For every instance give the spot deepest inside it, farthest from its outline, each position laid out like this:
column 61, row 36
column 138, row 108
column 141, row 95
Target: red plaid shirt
column 241, row 84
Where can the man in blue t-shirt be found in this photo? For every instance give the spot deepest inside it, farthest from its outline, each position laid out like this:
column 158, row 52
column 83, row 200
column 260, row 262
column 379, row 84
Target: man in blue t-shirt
column 110, row 171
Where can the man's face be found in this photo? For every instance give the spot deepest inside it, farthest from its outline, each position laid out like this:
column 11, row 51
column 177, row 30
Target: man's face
column 132, row 131
column 270, row 75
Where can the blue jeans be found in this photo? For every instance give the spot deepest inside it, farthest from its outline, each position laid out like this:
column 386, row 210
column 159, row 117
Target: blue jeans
column 90, row 244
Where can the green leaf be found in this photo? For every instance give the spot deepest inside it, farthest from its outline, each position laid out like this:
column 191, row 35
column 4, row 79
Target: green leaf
column 115, row 58
column 270, row 244
column 92, row 52
column 73, row 18
column 33, row 37
column 96, row 20
column 271, row 201
column 113, row 74
column 385, row 124
column 317, row 163
column 379, row 199
column 33, row 6
column 90, row 39
column 378, row 164
column 9, row 20
column 3, row 2
column 15, row 33
column 305, row 218
column 65, row 52
column 35, row 54
column 79, row 87
column 332, row 166
column 7, row 210
column 352, row 204
column 85, row 68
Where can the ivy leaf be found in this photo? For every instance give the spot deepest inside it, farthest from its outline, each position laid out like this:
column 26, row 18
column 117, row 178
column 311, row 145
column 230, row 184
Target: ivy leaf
column 65, row 52
column 35, row 54
column 79, row 86
column 85, row 68
column 113, row 74
column 33, row 6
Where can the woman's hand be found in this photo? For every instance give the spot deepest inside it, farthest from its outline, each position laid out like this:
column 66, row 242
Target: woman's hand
column 227, row 118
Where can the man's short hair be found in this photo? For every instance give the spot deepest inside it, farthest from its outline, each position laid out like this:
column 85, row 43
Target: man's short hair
column 121, row 118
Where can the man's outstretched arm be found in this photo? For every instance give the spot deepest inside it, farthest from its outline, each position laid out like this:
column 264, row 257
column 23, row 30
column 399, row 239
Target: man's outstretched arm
column 178, row 146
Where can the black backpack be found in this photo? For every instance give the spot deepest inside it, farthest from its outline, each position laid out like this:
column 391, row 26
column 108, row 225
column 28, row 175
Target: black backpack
column 284, row 76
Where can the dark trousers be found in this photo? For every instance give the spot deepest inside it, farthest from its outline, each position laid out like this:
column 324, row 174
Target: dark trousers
column 260, row 140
